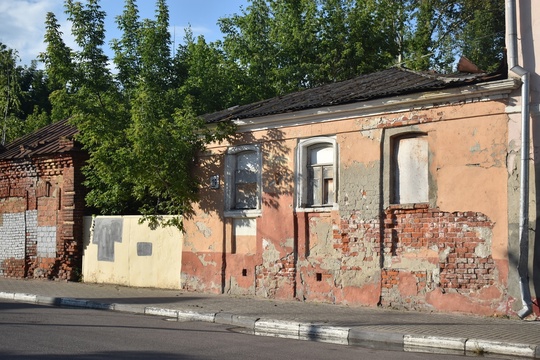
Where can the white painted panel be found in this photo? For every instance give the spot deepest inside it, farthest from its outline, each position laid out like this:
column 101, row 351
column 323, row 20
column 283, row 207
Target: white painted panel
column 322, row 155
column 412, row 170
column 245, row 227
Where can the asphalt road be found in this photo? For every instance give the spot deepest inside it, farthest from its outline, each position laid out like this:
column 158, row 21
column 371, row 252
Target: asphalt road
column 40, row 332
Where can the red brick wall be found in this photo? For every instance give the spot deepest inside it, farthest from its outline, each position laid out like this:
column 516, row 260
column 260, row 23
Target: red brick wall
column 53, row 187
column 422, row 250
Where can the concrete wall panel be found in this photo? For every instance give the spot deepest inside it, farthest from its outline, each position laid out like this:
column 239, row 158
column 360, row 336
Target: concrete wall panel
column 136, row 255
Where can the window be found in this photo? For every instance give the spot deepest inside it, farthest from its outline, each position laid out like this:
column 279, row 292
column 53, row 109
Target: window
column 242, row 180
column 410, row 170
column 321, row 175
column 316, row 173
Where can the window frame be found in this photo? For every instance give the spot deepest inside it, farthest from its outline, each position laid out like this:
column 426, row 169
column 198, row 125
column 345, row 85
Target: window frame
column 302, row 173
column 231, row 157
column 390, row 137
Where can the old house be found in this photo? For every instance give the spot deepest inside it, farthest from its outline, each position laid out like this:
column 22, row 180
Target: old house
column 41, row 205
column 374, row 190
column 398, row 188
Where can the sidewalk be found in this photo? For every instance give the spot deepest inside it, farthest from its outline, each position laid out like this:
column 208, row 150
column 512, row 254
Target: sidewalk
column 411, row 331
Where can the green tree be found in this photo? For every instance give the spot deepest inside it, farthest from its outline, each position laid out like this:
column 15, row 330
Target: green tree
column 210, row 81
column 23, row 97
column 287, row 45
column 140, row 131
column 9, row 87
column 126, row 55
column 247, row 41
column 483, row 36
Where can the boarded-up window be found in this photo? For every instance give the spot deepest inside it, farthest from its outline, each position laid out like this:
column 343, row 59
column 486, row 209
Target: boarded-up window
column 410, row 170
column 321, row 175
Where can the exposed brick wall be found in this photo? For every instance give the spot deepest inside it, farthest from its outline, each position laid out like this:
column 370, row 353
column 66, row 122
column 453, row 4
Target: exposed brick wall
column 355, row 236
column 274, row 277
column 47, row 194
column 419, row 250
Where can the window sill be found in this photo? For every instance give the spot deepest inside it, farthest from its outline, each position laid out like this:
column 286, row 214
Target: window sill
column 243, row 213
column 320, row 209
column 409, row 206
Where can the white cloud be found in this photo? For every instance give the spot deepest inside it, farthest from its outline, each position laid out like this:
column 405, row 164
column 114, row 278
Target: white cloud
column 22, row 25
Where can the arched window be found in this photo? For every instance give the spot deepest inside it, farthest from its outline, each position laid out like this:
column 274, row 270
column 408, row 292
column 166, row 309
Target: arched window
column 321, row 175
column 316, row 173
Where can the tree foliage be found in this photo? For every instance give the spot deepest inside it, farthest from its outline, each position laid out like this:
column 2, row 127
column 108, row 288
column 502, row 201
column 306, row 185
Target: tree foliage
column 287, row 45
column 140, row 133
column 24, row 93
column 140, row 122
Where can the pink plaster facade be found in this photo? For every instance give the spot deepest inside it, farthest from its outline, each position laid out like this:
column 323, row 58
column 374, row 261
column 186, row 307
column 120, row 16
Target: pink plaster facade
column 449, row 253
column 455, row 251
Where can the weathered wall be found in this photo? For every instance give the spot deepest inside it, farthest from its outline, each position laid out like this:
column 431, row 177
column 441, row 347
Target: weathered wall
column 41, row 208
column 119, row 250
column 449, row 254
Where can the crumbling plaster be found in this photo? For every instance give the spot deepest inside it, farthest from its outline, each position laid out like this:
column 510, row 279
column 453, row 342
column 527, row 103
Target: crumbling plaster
column 342, row 256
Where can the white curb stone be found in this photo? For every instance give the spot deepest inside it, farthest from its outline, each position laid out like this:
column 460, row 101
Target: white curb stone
column 496, row 347
column 322, row 333
column 25, row 297
column 434, row 342
column 283, row 329
column 195, row 316
column 161, row 312
column 6, row 295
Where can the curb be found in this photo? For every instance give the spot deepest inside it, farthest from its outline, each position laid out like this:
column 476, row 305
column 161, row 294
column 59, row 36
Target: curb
column 304, row 331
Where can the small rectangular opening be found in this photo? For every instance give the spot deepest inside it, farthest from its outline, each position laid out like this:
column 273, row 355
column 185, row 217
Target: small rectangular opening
column 244, row 272
column 319, row 276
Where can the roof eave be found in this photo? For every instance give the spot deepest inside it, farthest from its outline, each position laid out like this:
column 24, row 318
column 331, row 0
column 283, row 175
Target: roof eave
column 424, row 99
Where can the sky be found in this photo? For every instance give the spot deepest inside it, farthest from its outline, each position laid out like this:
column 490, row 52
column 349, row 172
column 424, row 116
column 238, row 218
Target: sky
column 22, row 22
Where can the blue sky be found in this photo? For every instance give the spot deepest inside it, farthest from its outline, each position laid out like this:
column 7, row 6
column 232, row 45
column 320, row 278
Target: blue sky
column 22, row 21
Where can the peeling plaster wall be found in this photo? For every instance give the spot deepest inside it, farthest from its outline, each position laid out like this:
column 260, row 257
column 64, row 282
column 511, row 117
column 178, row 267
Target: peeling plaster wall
column 368, row 251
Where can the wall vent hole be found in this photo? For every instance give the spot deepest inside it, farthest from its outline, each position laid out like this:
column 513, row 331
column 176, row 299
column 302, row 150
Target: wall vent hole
column 319, row 276
column 244, row 272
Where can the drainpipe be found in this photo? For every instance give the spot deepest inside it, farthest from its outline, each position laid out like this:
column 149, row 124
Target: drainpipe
column 523, row 262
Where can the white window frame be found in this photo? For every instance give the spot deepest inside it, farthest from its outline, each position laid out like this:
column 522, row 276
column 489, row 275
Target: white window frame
column 302, row 173
column 230, row 169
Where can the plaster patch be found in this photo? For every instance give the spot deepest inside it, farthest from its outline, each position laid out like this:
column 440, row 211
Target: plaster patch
column 288, row 243
column 475, row 148
column 416, row 264
column 204, row 262
column 359, row 184
column 372, row 134
column 443, row 255
column 483, row 250
column 353, row 278
column 270, row 253
column 203, row 229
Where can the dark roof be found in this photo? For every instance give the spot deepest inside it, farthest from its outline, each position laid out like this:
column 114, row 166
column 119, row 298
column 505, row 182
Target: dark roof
column 52, row 139
column 390, row 82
